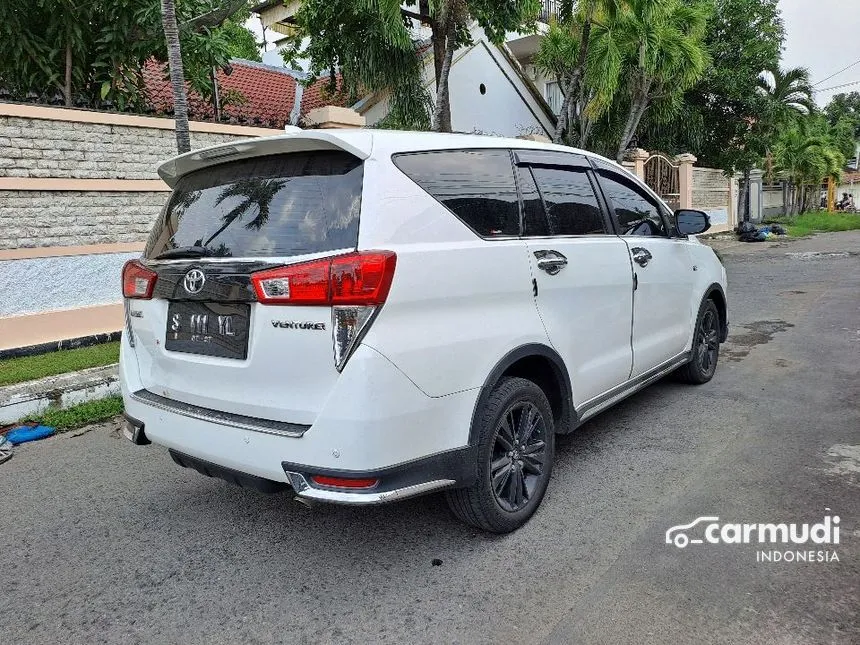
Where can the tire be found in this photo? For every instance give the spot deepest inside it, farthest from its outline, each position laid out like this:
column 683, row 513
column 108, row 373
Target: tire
column 706, row 346
column 521, row 475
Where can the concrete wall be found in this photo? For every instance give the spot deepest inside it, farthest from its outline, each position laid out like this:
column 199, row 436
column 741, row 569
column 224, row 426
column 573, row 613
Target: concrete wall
column 78, row 196
column 712, row 194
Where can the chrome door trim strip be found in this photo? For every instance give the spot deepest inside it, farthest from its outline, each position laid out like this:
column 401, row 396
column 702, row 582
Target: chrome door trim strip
column 611, row 397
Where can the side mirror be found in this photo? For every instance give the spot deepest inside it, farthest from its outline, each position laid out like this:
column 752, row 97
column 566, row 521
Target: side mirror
column 690, row 222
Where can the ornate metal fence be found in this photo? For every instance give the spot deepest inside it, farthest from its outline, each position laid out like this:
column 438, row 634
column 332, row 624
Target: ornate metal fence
column 662, row 177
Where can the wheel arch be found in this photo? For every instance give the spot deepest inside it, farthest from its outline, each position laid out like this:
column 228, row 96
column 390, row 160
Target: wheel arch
column 543, row 366
column 716, row 293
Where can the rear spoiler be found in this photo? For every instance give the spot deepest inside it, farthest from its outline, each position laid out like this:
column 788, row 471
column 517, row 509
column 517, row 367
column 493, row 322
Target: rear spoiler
column 355, row 142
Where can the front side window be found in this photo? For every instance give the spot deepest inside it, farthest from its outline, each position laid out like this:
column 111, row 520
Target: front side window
column 637, row 214
column 476, row 185
column 571, row 205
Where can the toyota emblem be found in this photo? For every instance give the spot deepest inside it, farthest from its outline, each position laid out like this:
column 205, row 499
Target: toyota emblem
column 194, row 281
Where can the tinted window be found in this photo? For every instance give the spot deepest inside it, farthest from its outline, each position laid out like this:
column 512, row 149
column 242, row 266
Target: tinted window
column 534, row 217
column 477, row 185
column 571, row 205
column 266, row 206
column 636, row 214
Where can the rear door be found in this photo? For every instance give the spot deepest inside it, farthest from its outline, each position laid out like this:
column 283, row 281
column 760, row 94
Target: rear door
column 662, row 266
column 203, row 338
column 582, row 270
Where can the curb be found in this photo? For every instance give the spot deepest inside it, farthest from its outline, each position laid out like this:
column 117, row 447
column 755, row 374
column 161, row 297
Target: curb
column 61, row 391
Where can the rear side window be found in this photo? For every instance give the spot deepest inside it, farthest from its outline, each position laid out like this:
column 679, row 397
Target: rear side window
column 571, row 204
column 476, row 185
column 282, row 205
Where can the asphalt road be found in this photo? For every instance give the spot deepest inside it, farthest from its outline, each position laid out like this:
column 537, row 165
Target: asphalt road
column 105, row 542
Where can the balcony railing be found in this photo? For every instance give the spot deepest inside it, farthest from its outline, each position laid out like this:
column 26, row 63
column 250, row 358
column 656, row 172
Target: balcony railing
column 549, row 9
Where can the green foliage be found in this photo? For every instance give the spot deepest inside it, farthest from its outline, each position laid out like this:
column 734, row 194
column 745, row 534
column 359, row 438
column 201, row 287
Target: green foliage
column 719, row 117
column 641, row 56
column 843, row 112
column 240, row 41
column 29, row 368
column 369, row 46
column 805, row 152
column 109, row 42
column 820, row 222
column 80, row 415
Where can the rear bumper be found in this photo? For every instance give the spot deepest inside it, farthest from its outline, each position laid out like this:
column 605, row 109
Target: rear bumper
column 377, row 424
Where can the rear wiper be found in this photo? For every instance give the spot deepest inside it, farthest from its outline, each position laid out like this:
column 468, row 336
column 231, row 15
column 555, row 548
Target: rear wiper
column 184, row 252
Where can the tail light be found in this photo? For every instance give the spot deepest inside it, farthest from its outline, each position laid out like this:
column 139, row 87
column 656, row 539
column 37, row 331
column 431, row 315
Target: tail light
column 137, row 281
column 353, row 285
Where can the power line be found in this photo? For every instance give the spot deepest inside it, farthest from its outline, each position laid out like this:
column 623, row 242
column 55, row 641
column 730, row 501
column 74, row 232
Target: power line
column 836, row 87
column 837, row 73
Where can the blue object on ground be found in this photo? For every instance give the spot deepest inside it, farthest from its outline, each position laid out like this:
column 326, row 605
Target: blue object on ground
column 27, row 433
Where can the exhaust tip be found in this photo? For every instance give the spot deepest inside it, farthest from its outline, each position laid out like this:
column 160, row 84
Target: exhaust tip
column 304, row 502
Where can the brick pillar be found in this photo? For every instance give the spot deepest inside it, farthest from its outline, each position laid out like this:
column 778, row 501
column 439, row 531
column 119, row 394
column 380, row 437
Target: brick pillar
column 332, row 116
column 639, row 157
column 685, row 179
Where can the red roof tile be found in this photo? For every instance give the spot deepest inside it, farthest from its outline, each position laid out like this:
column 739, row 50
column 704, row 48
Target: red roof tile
column 252, row 93
column 317, row 95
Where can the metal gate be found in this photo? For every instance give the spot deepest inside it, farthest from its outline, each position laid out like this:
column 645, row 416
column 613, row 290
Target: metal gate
column 661, row 175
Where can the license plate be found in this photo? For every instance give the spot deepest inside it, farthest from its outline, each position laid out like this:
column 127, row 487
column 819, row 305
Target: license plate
column 208, row 328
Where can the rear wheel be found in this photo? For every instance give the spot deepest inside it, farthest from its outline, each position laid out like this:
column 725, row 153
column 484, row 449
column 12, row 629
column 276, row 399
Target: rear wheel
column 706, row 346
column 516, row 443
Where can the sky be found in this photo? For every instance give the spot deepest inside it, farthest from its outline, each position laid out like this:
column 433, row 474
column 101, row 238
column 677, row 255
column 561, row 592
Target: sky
column 821, row 35
column 824, row 37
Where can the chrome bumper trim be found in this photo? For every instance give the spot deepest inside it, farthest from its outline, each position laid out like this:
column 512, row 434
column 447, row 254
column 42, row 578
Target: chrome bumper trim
column 306, row 491
column 266, row 426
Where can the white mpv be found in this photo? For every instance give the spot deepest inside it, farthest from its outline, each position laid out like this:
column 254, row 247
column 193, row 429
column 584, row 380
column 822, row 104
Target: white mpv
column 364, row 316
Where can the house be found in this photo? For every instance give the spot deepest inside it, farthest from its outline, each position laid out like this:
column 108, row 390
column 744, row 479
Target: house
column 251, row 93
column 495, row 89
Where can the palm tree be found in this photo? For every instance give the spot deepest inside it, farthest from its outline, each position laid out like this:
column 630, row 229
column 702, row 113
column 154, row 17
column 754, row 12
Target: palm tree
column 177, row 75
column 805, row 154
column 657, row 51
column 256, row 195
column 788, row 91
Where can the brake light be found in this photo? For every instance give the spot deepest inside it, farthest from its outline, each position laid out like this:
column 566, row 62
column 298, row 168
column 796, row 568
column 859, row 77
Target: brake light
column 353, row 285
column 354, row 279
column 343, row 482
column 137, row 281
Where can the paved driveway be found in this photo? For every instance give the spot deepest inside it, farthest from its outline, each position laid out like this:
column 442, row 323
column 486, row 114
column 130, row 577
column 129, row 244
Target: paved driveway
column 101, row 541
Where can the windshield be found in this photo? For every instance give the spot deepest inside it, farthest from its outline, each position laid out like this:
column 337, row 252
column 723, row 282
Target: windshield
column 283, row 205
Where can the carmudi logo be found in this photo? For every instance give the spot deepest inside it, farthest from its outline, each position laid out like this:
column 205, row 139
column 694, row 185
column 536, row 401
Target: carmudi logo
column 823, row 535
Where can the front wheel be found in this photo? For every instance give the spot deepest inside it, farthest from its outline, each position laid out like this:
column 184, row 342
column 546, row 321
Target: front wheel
column 706, row 346
column 516, row 444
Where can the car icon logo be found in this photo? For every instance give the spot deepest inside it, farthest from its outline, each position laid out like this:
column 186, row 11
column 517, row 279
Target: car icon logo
column 194, row 281
column 680, row 539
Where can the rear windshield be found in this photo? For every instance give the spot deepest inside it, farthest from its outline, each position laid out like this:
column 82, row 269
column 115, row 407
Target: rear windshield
column 304, row 202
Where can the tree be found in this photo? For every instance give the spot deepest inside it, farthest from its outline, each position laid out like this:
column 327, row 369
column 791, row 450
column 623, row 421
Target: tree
column 788, row 92
column 661, row 43
column 563, row 55
column 369, row 46
column 177, row 75
column 806, row 152
column 719, row 115
column 92, row 54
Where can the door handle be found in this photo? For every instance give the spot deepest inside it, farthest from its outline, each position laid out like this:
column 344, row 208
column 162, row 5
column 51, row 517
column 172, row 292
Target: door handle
column 550, row 261
column 640, row 256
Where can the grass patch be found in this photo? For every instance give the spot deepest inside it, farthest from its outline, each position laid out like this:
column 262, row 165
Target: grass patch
column 820, row 222
column 79, row 415
column 29, row 368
